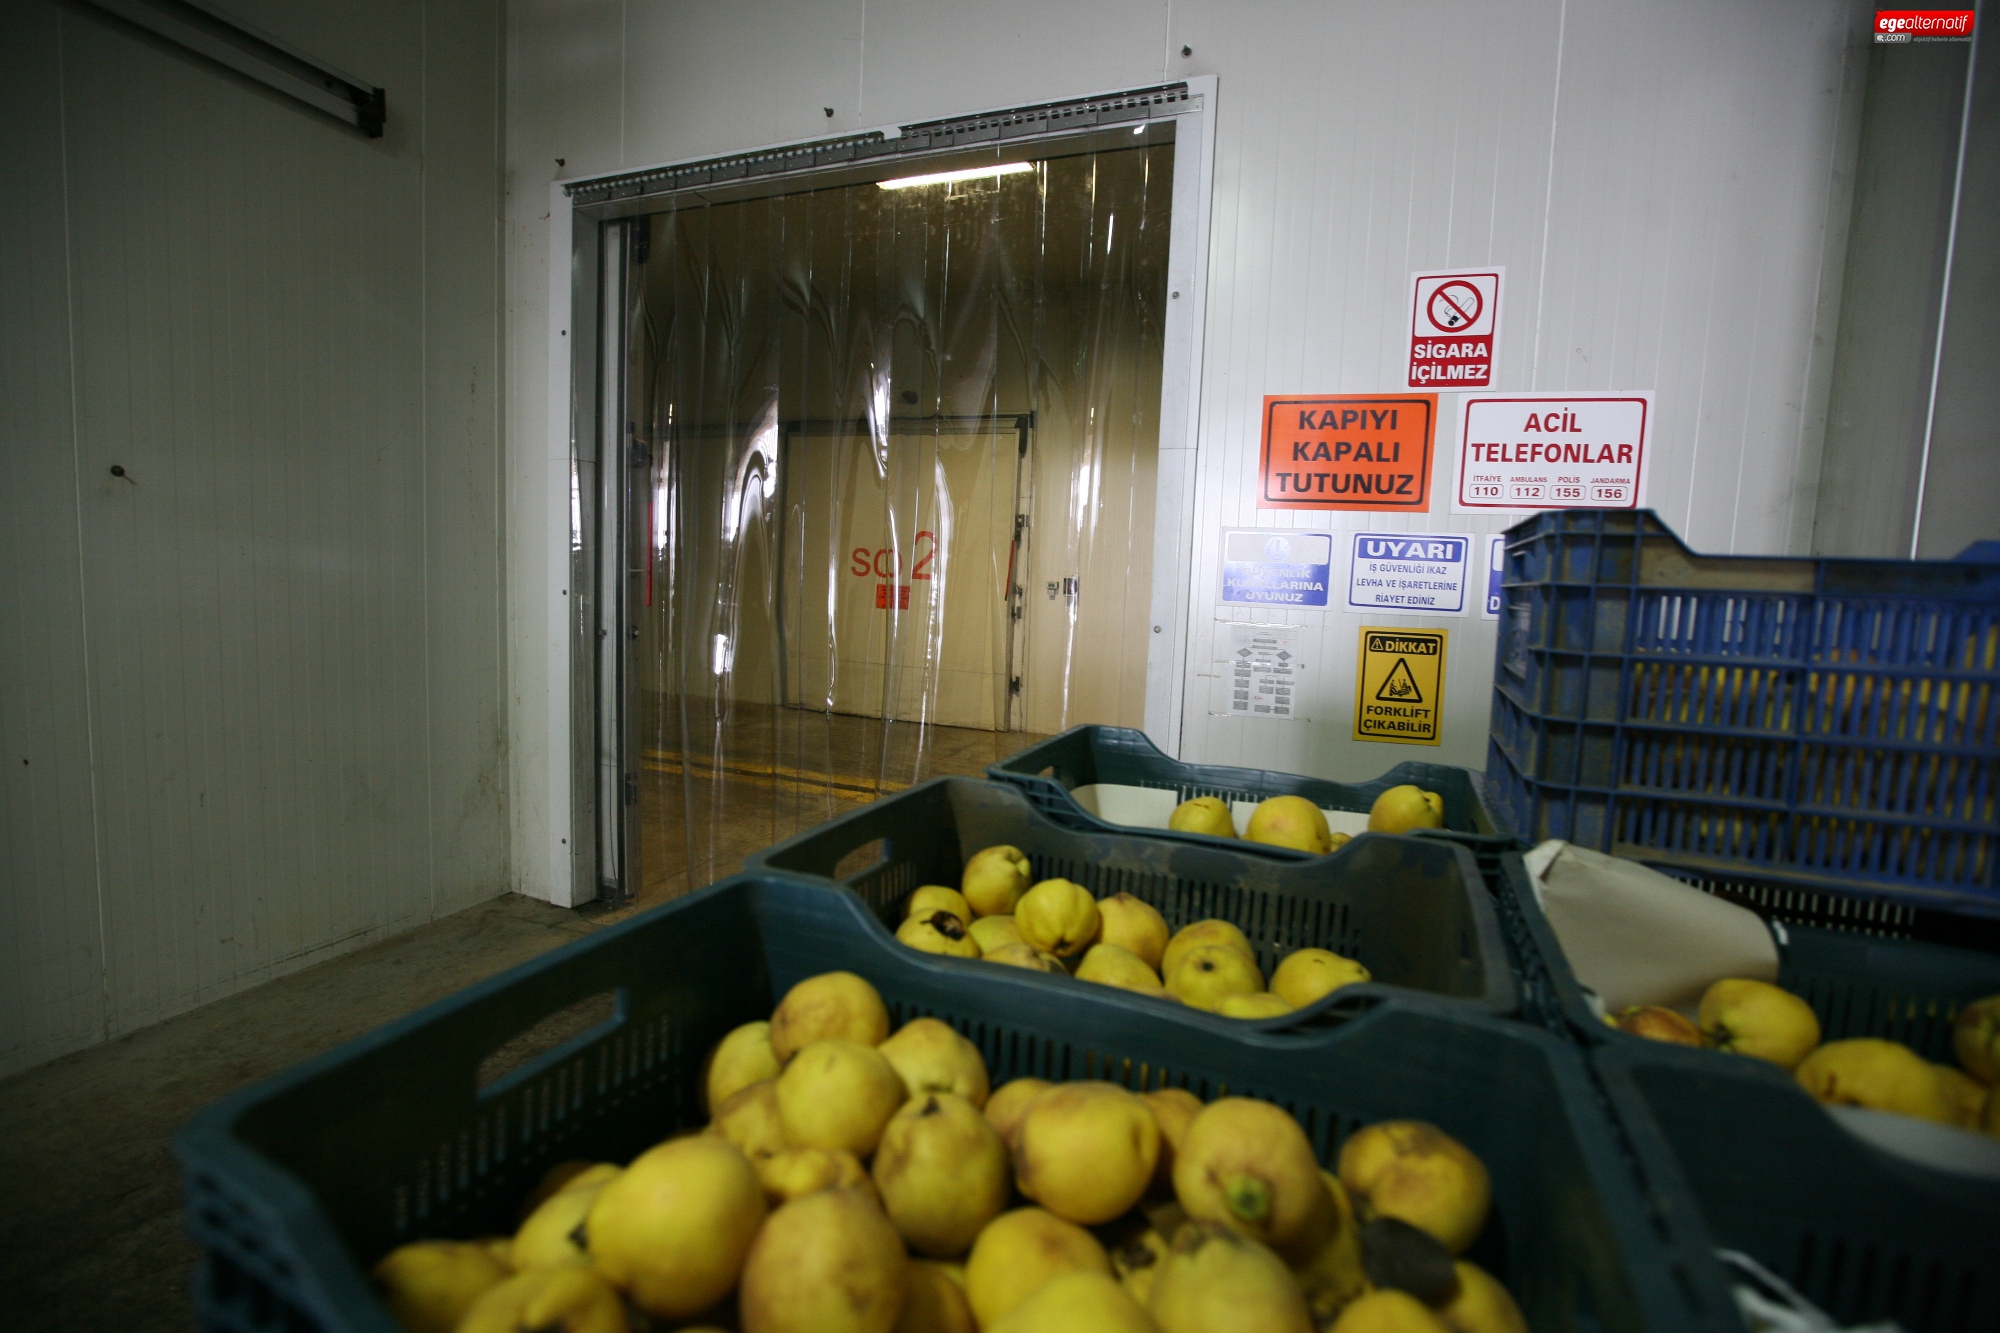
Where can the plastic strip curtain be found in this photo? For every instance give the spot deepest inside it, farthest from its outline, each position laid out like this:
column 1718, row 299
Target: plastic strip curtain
column 899, row 509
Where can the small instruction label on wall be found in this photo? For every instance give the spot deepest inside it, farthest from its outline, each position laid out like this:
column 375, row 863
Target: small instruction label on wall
column 1347, row 451
column 1399, row 691
column 1552, row 451
column 1410, row 573
column 1267, row 567
column 1260, row 671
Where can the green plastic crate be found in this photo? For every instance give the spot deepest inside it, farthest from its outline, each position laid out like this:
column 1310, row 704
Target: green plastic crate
column 1859, row 984
column 1084, row 756
column 298, row 1184
column 1415, row 912
column 1863, row 1233
column 1538, row 994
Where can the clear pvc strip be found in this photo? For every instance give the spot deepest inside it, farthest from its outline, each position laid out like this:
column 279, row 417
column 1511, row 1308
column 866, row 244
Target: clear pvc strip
column 897, row 515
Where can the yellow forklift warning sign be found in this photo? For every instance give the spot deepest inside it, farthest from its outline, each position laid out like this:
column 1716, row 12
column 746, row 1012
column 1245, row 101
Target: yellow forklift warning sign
column 1400, row 691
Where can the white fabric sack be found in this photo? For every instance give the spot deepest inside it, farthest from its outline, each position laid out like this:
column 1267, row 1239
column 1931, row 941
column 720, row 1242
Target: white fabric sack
column 1635, row 936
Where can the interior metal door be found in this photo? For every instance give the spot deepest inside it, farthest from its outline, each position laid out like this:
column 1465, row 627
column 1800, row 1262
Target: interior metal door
column 902, row 600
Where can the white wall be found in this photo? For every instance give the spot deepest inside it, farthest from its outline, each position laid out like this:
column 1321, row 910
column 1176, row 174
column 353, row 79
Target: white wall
column 251, row 693
column 1962, row 472
column 1665, row 182
column 1909, row 466
column 1885, row 347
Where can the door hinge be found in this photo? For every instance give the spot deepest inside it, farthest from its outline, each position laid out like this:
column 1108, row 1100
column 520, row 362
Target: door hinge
column 1014, row 686
column 631, row 789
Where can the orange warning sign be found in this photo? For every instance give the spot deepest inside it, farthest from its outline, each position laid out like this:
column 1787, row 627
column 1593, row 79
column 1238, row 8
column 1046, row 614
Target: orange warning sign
column 1348, row 451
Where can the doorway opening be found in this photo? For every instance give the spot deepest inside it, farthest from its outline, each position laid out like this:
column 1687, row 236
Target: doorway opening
column 889, row 486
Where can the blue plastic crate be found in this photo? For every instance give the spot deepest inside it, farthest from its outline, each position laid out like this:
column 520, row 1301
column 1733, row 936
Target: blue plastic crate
column 1829, row 725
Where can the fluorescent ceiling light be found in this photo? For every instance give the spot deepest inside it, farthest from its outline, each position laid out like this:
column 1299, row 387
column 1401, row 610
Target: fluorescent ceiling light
column 947, row 177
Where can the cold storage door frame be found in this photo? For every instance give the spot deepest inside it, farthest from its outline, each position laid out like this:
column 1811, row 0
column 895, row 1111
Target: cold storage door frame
column 590, row 753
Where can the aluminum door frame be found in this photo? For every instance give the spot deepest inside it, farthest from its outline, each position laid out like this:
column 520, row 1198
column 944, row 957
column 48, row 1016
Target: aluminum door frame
column 580, row 213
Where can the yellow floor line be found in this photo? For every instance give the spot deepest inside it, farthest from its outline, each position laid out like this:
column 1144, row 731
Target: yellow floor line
column 658, row 762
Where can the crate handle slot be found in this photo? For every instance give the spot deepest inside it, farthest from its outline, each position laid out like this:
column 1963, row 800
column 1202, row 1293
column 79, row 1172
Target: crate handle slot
column 1331, row 1010
column 864, row 860
column 549, row 1041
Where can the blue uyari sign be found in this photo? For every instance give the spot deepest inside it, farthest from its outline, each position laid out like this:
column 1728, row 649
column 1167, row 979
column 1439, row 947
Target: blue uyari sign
column 1410, row 573
column 1276, row 568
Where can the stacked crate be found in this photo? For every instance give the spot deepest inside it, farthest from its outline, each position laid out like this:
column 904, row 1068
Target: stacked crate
column 1816, row 740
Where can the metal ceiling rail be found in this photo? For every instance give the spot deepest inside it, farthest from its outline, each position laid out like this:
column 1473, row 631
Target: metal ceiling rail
column 922, row 137
column 258, row 56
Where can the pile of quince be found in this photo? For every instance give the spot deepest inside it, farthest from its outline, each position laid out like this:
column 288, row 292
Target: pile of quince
column 1295, row 822
column 998, row 914
column 851, row 1180
column 1758, row 1019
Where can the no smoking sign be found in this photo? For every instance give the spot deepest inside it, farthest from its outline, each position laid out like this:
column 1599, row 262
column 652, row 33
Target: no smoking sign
column 1454, row 315
column 1454, row 306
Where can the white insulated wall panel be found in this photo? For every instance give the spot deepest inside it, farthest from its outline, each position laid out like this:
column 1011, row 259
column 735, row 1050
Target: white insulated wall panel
column 51, row 948
column 1667, row 185
column 464, row 468
column 1695, row 193
column 1323, row 205
column 286, row 335
column 257, row 657
column 1664, row 204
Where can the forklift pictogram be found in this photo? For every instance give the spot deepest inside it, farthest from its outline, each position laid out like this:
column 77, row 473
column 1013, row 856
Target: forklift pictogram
column 1401, row 686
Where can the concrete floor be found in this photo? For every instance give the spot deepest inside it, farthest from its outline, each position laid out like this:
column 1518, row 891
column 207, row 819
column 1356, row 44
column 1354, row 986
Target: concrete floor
column 761, row 774
column 91, row 1235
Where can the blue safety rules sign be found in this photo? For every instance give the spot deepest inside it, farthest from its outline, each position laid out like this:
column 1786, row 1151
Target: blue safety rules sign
column 1496, row 565
column 1415, row 573
column 1269, row 567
